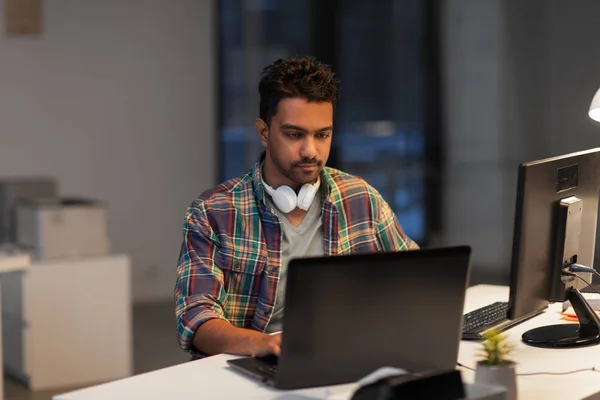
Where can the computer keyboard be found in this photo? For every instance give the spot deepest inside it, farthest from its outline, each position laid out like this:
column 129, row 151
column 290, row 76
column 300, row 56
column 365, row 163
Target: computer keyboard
column 481, row 319
column 268, row 365
column 268, row 369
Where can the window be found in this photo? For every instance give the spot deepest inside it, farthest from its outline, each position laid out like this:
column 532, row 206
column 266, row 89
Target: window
column 387, row 125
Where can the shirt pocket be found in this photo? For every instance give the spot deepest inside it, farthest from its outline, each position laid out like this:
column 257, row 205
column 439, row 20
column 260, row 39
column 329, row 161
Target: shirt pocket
column 241, row 273
column 229, row 259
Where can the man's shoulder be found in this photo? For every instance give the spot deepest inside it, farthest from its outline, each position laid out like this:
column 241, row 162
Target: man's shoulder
column 231, row 192
column 347, row 183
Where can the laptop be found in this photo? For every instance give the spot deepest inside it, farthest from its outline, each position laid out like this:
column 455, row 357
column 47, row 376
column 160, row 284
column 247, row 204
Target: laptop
column 349, row 315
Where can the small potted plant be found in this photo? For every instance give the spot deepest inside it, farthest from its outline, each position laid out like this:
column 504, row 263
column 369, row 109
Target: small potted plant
column 496, row 368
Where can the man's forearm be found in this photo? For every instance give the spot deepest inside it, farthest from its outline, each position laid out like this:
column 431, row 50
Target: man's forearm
column 218, row 336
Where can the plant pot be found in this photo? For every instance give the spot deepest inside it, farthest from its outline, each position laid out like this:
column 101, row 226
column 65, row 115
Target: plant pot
column 495, row 375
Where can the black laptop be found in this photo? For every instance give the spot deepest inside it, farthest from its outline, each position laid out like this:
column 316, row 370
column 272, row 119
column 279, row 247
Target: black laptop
column 347, row 316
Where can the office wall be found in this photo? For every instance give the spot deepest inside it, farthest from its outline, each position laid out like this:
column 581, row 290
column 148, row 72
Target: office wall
column 519, row 79
column 115, row 99
column 477, row 161
column 556, row 73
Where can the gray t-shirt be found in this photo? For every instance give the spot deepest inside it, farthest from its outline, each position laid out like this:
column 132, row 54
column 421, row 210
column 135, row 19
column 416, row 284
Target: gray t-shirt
column 304, row 240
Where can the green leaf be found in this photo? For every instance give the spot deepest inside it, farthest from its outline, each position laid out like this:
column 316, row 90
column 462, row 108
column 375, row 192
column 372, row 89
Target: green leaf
column 496, row 349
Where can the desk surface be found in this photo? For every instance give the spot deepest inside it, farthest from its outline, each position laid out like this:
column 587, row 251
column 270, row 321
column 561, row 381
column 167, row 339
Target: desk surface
column 581, row 385
column 212, row 378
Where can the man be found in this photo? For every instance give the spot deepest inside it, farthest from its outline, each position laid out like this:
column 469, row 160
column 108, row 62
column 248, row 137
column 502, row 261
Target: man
column 239, row 237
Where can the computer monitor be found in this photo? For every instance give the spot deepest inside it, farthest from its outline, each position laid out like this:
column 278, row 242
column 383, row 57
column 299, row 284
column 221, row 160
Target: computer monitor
column 555, row 226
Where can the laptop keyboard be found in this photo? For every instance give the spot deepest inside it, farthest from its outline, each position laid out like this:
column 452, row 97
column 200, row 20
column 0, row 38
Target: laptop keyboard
column 268, row 365
column 484, row 318
column 268, row 369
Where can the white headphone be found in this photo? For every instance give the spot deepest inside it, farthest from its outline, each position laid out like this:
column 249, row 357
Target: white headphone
column 285, row 198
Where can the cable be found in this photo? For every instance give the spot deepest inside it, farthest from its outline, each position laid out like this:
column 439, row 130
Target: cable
column 564, row 271
column 575, row 267
column 592, row 369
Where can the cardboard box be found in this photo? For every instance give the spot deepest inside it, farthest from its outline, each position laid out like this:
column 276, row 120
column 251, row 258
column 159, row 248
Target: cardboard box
column 63, row 228
column 13, row 190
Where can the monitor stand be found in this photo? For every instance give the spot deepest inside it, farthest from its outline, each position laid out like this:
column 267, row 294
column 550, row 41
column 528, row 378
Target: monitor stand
column 585, row 333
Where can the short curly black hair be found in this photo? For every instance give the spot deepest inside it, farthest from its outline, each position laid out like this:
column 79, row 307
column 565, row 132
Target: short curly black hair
column 301, row 76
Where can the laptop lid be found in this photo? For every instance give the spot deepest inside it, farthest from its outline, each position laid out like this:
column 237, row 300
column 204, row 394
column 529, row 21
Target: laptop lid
column 347, row 316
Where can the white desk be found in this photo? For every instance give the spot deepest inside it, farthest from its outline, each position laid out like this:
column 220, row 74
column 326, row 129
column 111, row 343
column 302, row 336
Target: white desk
column 210, row 378
column 581, row 385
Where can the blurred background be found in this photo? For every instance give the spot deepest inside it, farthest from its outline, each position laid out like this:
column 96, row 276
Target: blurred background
column 144, row 104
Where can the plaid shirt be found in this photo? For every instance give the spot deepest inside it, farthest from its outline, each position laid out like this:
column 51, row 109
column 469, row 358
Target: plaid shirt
column 231, row 252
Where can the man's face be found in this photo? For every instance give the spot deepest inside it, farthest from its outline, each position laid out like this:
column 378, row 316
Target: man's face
column 298, row 141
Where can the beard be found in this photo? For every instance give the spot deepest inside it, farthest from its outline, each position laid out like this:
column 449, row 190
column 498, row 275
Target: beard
column 294, row 171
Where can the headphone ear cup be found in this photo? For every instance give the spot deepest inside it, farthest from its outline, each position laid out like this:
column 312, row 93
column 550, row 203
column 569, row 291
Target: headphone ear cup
column 306, row 196
column 285, row 199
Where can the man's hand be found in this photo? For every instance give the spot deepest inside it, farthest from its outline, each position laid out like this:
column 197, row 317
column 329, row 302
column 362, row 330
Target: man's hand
column 271, row 344
column 219, row 336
